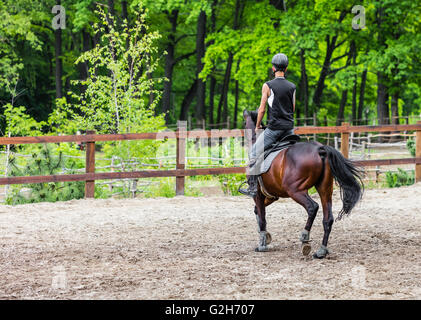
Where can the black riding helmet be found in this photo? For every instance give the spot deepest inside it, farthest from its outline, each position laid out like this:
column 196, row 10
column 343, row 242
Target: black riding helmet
column 280, row 62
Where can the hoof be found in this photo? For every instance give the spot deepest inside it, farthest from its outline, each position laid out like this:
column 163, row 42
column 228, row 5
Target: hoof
column 268, row 238
column 305, row 249
column 305, row 236
column 261, row 249
column 321, row 253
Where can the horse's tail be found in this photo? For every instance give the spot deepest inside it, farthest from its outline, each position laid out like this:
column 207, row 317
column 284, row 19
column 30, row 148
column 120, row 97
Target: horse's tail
column 347, row 176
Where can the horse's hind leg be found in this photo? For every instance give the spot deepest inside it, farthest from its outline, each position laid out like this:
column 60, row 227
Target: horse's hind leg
column 325, row 190
column 260, row 211
column 311, row 207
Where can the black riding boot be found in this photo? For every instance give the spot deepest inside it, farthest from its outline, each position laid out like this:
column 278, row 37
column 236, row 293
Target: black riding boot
column 252, row 189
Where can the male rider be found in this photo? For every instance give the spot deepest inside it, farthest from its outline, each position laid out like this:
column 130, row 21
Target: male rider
column 280, row 95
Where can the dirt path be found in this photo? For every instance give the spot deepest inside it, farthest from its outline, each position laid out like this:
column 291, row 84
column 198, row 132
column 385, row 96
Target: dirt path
column 203, row 248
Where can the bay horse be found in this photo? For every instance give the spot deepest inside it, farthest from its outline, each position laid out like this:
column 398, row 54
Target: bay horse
column 293, row 172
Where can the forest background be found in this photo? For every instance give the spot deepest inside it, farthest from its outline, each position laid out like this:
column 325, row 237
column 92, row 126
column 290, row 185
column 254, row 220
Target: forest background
column 207, row 60
column 142, row 65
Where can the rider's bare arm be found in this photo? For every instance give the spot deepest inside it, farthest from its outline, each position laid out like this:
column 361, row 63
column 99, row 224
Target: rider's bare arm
column 262, row 108
column 293, row 101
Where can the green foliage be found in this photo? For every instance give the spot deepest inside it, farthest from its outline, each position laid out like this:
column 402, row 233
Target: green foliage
column 164, row 188
column 231, row 182
column 46, row 160
column 113, row 68
column 389, row 45
column 410, row 144
column 118, row 88
column 15, row 27
column 117, row 91
column 400, row 178
column 19, row 123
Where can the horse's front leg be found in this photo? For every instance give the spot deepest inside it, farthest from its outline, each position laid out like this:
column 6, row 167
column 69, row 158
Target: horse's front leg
column 264, row 236
column 267, row 202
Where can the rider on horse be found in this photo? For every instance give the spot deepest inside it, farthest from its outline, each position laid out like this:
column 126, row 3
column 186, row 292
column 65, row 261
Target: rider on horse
column 280, row 95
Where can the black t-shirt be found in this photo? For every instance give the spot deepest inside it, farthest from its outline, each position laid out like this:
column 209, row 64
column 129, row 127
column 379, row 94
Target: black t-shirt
column 281, row 104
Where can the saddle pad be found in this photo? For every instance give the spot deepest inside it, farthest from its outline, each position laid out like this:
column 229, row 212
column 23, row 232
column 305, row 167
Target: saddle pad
column 263, row 163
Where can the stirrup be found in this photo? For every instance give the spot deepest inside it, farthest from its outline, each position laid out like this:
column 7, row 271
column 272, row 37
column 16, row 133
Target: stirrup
column 246, row 192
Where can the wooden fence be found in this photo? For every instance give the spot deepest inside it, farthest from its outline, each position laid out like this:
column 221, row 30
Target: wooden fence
column 181, row 135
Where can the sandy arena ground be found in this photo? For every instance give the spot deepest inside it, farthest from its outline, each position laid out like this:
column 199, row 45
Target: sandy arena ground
column 203, row 248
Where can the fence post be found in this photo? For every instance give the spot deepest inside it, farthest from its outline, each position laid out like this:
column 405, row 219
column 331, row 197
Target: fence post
column 181, row 156
column 90, row 166
column 363, row 147
column 418, row 154
column 377, row 174
column 345, row 141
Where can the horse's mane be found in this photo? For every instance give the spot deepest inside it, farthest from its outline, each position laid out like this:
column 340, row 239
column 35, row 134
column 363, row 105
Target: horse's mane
column 253, row 115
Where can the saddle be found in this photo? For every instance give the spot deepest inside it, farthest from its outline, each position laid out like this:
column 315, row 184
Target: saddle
column 285, row 142
column 288, row 140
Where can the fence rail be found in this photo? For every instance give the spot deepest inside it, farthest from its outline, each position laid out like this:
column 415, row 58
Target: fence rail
column 181, row 135
column 224, row 133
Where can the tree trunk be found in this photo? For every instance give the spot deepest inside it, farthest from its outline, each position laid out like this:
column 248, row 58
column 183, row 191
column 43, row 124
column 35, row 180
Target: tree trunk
column 201, row 85
column 354, row 102
column 169, row 66
column 149, row 76
column 354, row 88
column 212, row 78
column 59, row 63
column 331, row 46
column 110, row 15
column 303, row 86
column 362, row 94
column 394, row 105
column 86, row 38
column 211, row 97
column 236, row 104
column 341, row 111
column 125, row 17
column 382, row 91
column 83, row 66
column 223, row 101
column 111, row 10
column 278, row 4
column 188, row 100
column 124, row 13
column 382, row 99
column 237, row 93
column 342, row 105
column 325, row 70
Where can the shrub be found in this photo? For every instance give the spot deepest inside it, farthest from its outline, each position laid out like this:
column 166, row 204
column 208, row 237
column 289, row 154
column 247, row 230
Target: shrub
column 47, row 160
column 164, row 188
column 410, row 144
column 400, row 178
column 231, row 182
